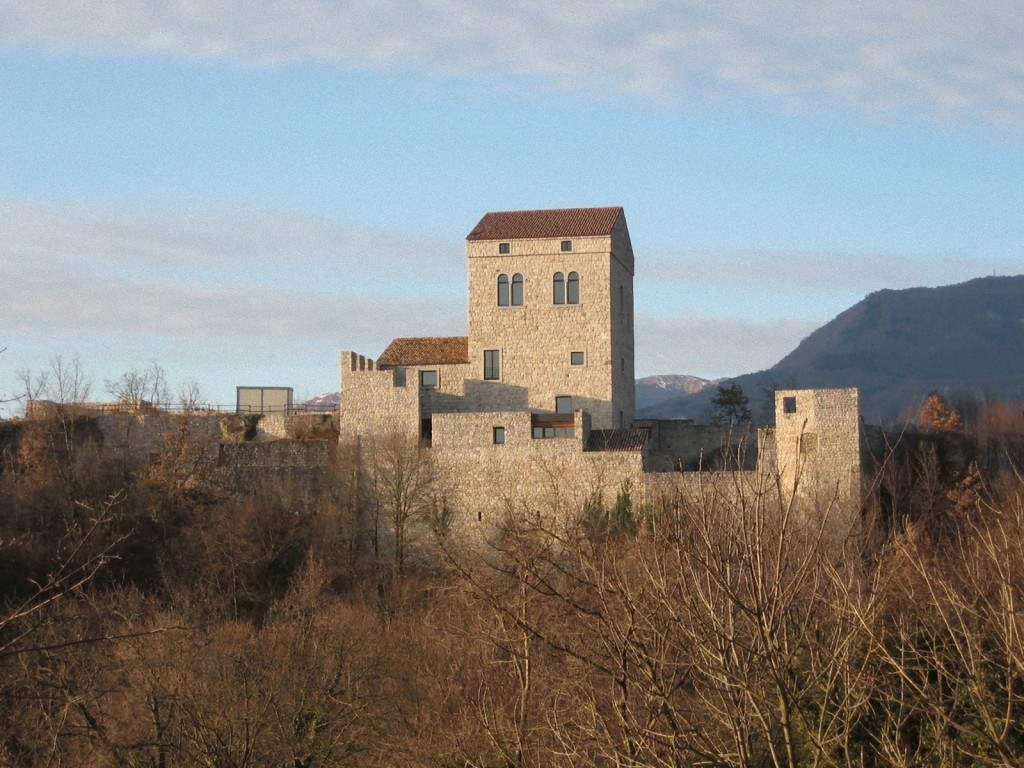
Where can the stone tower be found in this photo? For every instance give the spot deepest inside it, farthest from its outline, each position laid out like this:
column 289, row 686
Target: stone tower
column 817, row 448
column 551, row 310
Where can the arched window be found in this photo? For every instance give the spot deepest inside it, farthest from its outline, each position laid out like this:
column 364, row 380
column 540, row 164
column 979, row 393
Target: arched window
column 572, row 292
column 517, row 290
column 502, row 290
column 559, row 288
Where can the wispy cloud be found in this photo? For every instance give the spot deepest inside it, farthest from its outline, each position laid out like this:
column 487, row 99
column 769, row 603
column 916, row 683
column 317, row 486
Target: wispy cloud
column 798, row 272
column 712, row 347
column 231, row 276
column 237, row 271
column 949, row 61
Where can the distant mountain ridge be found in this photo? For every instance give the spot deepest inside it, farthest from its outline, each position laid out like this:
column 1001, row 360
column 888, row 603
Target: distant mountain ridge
column 654, row 390
column 896, row 346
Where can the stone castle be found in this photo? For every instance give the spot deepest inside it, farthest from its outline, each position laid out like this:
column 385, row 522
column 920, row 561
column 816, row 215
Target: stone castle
column 533, row 410
column 531, row 413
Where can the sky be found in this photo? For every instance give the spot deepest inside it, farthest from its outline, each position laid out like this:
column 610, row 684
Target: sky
column 237, row 190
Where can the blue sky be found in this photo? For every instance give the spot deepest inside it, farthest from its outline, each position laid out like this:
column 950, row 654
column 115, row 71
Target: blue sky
column 239, row 190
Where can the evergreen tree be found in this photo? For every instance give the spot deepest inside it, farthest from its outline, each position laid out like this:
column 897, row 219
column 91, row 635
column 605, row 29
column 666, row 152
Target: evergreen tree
column 729, row 406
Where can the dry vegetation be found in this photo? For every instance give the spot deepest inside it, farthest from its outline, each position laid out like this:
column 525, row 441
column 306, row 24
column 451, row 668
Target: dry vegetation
column 148, row 623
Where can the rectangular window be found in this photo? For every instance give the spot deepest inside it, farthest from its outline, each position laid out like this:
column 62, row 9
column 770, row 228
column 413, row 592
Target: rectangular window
column 566, row 246
column 789, row 405
column 563, row 404
column 547, row 433
column 499, row 435
column 492, row 364
column 576, row 358
column 504, row 248
column 428, row 379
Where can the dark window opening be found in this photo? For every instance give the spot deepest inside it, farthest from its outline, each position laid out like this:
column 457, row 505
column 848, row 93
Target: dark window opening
column 428, row 379
column 504, row 248
column 517, row 290
column 789, row 405
column 499, row 435
column 576, row 358
column 548, row 426
column 563, row 404
column 566, row 246
column 426, row 430
column 502, row 290
column 572, row 288
column 559, row 288
column 551, row 431
column 492, row 364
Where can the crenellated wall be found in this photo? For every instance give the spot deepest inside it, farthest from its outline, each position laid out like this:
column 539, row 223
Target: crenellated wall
column 375, row 402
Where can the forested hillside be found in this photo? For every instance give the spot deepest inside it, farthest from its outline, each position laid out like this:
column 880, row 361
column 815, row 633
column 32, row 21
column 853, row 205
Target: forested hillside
column 150, row 620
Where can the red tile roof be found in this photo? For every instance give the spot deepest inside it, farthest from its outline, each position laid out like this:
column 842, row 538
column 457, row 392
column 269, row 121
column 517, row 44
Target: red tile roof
column 563, row 222
column 426, row 350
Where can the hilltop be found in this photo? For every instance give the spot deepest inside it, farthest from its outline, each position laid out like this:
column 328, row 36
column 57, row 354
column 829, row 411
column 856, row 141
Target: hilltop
column 896, row 346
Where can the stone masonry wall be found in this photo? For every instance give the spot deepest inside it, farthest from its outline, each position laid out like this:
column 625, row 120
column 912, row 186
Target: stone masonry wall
column 683, row 445
column 548, row 480
column 817, row 446
column 375, row 402
column 536, row 339
column 297, row 425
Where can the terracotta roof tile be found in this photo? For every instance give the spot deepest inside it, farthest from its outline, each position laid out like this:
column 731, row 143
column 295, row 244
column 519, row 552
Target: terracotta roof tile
column 617, row 439
column 426, row 350
column 562, row 222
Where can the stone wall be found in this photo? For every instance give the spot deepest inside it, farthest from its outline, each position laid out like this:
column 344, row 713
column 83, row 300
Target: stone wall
column 550, row 480
column 817, row 441
column 302, row 465
column 375, row 402
column 678, row 445
column 310, row 425
column 536, row 339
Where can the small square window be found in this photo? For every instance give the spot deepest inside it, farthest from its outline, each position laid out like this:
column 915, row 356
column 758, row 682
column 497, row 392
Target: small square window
column 428, row 379
column 789, row 405
column 504, row 248
column 563, row 404
column 499, row 435
column 566, row 246
column 576, row 358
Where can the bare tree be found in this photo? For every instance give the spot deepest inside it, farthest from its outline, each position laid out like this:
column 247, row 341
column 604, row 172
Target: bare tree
column 141, row 385
column 64, row 381
column 405, row 492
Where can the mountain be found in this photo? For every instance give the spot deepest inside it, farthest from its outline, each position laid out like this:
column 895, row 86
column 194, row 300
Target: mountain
column 898, row 345
column 654, row 390
column 322, row 402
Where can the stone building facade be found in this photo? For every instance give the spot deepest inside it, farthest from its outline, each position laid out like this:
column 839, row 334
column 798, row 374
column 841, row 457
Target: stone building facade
column 533, row 411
